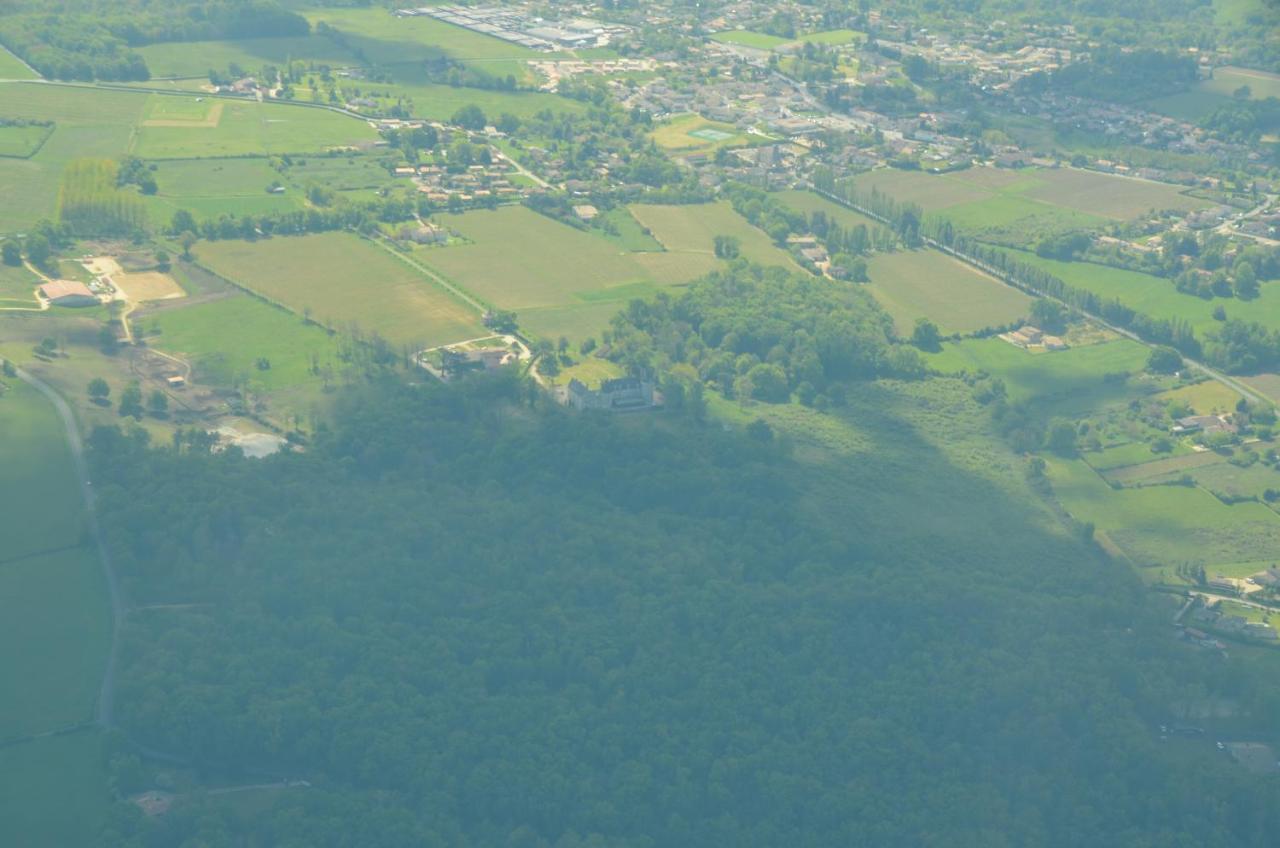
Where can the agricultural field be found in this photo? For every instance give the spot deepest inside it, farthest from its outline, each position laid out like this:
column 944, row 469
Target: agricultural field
column 211, row 187
column 88, row 123
column 1061, row 198
column 13, row 68
column 17, row 285
column 54, row 614
column 53, row 791
column 387, row 39
column 438, row 102
column 808, row 202
column 689, row 133
column 344, row 282
column 222, row 127
column 747, row 38
column 22, row 141
column 194, row 59
column 693, row 228
column 621, row 227
column 1076, row 376
column 927, row 284
column 1209, row 94
column 1163, row 527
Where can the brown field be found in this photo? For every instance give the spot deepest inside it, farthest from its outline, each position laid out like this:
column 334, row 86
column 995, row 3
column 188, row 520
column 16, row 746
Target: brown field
column 148, row 285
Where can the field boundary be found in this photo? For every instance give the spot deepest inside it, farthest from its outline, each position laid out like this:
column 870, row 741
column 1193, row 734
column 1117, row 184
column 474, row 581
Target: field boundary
column 434, row 276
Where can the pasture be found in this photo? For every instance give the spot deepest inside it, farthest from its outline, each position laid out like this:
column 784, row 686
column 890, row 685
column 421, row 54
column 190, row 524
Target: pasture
column 53, row 791
column 1077, row 375
column 387, row 39
column 13, row 68
column 194, row 59
column 247, row 127
column 345, row 282
column 1062, row 197
column 928, row 284
column 54, row 616
column 747, row 38
column 224, row 340
column 22, row 141
column 692, row 228
column 1166, row 526
column 211, row 187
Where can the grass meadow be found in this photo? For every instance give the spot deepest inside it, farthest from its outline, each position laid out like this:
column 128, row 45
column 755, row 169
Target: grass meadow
column 53, row 791
column 677, row 135
column 747, row 38
column 247, row 127
column 13, row 68
column 343, row 281
column 1077, row 374
column 211, row 187
column 54, row 615
column 224, row 339
column 693, row 228
column 17, row 285
column 386, row 39
column 808, row 203
column 927, row 284
column 194, row 59
column 21, row 141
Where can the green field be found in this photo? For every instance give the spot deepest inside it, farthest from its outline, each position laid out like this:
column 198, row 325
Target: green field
column 747, row 38
column 1076, row 374
column 693, row 228
column 53, row 792
column 808, row 203
column 211, row 187
column 54, row 617
column 22, row 141
column 627, row 232
column 247, row 127
column 1209, row 94
column 695, row 133
column 224, row 339
column 89, row 123
column 439, row 102
column 345, row 282
column 385, row 38
column 13, row 68
column 17, row 283
column 1060, row 197
column 193, row 59
column 1166, row 526
column 927, row 284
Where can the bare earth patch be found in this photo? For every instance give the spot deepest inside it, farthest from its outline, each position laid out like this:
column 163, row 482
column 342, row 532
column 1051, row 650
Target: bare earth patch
column 148, row 285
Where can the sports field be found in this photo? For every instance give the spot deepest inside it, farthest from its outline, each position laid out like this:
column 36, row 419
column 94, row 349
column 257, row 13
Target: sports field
column 692, row 228
column 194, row 59
column 242, row 128
column 345, row 282
column 225, row 339
column 747, row 38
column 694, row 133
column 927, row 284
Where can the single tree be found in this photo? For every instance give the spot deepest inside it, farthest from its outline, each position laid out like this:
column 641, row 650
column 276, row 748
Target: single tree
column 11, row 252
column 131, row 401
column 926, row 335
column 99, row 391
column 158, row 404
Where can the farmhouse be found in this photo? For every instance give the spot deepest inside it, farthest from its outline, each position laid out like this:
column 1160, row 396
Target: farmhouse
column 67, row 293
column 1207, row 424
column 624, row 394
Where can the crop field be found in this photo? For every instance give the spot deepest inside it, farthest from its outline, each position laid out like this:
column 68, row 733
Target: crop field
column 225, row 339
column 22, row 141
column 1077, row 374
column 344, row 281
column 385, row 38
column 627, row 230
column 192, row 59
column 211, row 187
column 88, row 123
column 927, row 284
column 747, row 38
column 986, row 197
column 251, row 128
column 13, row 68
column 1166, row 526
column 694, row 132
column 518, row 259
column 1156, row 296
column 693, row 228
column 53, row 609
column 53, row 791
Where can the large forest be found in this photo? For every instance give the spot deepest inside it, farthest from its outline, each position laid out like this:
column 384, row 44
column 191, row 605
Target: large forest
column 468, row 617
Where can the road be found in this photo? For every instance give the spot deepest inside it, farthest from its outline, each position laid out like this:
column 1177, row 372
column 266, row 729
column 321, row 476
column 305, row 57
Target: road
column 104, row 713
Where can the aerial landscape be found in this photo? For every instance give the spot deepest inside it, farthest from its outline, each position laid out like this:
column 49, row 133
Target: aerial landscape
column 619, row 424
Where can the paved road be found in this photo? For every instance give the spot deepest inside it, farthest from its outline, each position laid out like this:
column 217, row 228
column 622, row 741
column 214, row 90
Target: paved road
column 104, row 713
